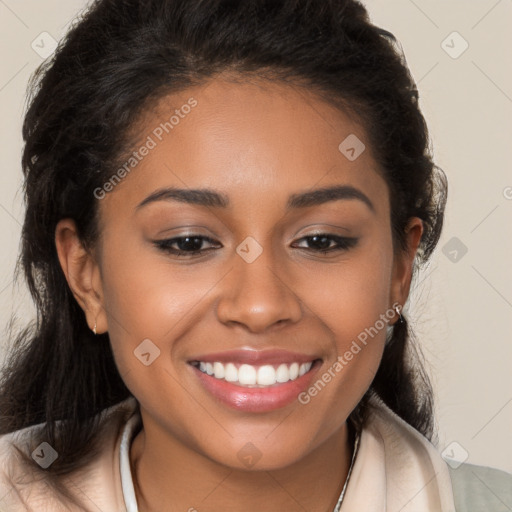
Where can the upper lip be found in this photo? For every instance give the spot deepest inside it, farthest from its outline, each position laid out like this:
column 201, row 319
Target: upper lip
column 255, row 357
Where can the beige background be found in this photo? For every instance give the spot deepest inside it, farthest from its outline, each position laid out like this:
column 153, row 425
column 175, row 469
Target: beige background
column 462, row 309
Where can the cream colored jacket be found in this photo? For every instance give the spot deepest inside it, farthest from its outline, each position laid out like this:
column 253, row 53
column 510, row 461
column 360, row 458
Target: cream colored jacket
column 396, row 470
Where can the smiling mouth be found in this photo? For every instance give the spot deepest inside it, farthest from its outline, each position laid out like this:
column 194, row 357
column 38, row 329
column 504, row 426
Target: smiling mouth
column 254, row 376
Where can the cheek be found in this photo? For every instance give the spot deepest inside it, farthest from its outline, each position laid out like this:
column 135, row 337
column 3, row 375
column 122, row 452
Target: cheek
column 351, row 296
column 352, row 301
column 147, row 298
column 352, row 304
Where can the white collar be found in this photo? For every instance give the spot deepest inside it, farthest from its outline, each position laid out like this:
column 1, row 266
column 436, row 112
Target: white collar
column 126, row 475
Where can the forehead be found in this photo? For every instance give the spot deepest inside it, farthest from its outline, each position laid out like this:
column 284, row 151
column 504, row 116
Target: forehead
column 256, row 142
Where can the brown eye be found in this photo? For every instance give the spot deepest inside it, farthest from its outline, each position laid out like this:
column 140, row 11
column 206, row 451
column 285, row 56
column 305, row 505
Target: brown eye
column 324, row 242
column 191, row 245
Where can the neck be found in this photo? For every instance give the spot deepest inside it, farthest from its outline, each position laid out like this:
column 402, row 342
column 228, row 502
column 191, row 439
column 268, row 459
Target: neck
column 165, row 471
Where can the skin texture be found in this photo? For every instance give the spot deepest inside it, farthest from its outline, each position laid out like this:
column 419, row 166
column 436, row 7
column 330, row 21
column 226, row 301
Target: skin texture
column 257, row 144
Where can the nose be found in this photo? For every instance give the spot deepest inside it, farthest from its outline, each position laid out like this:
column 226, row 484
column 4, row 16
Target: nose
column 257, row 296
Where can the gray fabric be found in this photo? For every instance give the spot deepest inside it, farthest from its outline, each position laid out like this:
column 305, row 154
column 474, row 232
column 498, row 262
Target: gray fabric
column 481, row 489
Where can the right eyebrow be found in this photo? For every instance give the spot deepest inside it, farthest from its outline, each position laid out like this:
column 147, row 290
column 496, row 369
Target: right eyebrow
column 201, row 197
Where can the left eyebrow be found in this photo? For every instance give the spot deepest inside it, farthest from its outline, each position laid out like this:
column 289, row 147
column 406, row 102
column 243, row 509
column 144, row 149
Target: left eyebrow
column 326, row 194
column 214, row 199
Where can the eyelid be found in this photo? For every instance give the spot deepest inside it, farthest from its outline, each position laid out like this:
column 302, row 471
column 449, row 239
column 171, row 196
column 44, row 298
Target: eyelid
column 321, row 229
column 189, row 230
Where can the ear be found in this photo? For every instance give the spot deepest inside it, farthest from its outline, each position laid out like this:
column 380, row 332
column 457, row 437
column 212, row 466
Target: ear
column 82, row 274
column 403, row 263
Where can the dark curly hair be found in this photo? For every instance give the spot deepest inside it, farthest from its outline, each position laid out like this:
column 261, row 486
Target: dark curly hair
column 118, row 60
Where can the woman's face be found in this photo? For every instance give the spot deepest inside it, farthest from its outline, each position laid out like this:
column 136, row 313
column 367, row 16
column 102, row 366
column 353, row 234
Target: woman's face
column 253, row 296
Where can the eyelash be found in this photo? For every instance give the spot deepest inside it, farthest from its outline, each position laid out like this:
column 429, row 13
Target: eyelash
column 343, row 244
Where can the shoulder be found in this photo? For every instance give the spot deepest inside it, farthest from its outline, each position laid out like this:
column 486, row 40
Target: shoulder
column 477, row 488
column 15, row 484
column 27, row 485
column 474, row 488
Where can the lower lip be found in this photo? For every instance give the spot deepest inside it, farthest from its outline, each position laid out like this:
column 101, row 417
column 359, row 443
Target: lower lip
column 256, row 399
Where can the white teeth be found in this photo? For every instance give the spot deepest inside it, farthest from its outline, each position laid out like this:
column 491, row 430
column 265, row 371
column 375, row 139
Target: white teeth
column 266, row 375
column 294, row 371
column 251, row 376
column 231, row 374
column 218, row 370
column 282, row 374
column 247, row 375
